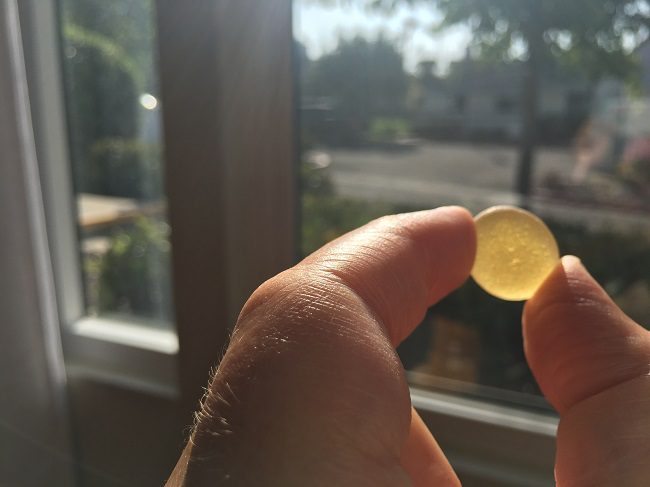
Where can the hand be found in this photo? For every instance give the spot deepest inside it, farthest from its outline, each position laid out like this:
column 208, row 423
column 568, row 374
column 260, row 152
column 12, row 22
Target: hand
column 311, row 391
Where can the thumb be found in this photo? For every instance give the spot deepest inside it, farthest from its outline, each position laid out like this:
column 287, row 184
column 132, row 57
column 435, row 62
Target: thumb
column 592, row 362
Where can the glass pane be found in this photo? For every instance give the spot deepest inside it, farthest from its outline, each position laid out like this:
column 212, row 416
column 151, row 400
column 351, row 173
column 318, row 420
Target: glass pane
column 411, row 105
column 116, row 148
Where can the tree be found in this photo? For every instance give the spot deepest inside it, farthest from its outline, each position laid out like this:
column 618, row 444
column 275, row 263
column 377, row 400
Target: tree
column 109, row 61
column 127, row 24
column 598, row 36
column 364, row 79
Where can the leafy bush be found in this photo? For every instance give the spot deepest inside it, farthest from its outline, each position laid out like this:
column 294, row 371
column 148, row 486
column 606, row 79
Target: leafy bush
column 125, row 167
column 102, row 88
column 327, row 217
column 135, row 272
column 388, row 129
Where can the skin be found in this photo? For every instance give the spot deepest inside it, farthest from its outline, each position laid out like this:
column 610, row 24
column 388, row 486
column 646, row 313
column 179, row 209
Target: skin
column 311, row 391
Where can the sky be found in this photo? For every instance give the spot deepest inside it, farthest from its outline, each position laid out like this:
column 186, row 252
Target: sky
column 318, row 27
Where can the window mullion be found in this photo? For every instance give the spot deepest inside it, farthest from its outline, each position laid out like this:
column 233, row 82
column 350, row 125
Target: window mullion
column 226, row 78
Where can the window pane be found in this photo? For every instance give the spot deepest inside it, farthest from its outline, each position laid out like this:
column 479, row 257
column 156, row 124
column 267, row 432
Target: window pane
column 410, row 105
column 116, row 148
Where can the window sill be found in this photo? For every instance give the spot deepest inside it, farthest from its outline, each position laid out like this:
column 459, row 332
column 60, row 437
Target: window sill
column 133, row 354
column 490, row 444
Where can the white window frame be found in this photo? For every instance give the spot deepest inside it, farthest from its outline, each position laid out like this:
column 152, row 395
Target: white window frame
column 221, row 203
column 215, row 187
column 117, row 351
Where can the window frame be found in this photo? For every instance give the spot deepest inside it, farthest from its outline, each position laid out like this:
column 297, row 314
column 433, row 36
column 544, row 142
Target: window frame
column 213, row 182
column 34, row 414
column 81, row 334
column 490, row 444
column 221, row 202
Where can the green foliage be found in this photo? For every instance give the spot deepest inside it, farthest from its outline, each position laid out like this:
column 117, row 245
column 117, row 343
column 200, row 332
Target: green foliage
column 126, row 24
column 125, row 167
column 111, row 52
column 384, row 129
column 328, row 217
column 134, row 273
column 597, row 36
column 102, row 92
column 102, row 86
column 363, row 79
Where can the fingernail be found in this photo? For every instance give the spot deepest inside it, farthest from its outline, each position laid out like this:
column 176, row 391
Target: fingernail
column 571, row 262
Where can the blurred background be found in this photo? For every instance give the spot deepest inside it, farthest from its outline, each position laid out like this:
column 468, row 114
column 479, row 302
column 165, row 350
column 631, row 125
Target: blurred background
column 387, row 106
column 411, row 105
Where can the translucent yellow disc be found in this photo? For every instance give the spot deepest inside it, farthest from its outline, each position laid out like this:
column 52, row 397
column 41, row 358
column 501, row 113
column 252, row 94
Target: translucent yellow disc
column 515, row 252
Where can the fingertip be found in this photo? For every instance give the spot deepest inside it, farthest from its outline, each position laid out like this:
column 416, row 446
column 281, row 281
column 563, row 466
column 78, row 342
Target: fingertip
column 456, row 212
column 461, row 219
column 569, row 281
column 460, row 223
column 452, row 238
column 576, row 340
column 571, row 263
column 466, row 228
column 446, row 240
column 400, row 265
column 456, row 217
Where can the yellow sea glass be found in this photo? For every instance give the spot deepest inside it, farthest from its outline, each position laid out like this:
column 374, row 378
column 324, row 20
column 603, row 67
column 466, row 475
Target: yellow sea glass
column 515, row 252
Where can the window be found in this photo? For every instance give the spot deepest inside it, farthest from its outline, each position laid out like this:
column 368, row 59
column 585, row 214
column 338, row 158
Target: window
column 418, row 118
column 113, row 113
column 125, row 362
column 94, row 98
column 381, row 98
column 419, row 106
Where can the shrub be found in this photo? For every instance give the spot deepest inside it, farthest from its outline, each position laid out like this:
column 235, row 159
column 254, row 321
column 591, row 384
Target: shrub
column 388, row 129
column 135, row 272
column 102, row 88
column 126, row 167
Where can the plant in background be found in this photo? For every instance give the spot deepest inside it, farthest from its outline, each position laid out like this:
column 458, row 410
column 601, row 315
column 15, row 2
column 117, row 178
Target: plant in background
column 103, row 85
column 384, row 129
column 108, row 59
column 362, row 80
column 127, row 168
column 134, row 273
column 326, row 216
